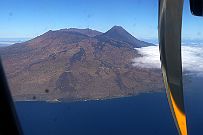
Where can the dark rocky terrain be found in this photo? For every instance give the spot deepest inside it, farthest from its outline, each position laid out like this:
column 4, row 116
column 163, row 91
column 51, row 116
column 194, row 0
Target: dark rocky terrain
column 76, row 64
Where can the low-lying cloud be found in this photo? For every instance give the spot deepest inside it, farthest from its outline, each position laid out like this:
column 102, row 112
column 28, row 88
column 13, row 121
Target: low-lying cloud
column 192, row 57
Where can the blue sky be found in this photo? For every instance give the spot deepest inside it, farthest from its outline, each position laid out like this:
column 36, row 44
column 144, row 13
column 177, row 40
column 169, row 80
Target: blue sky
column 30, row 18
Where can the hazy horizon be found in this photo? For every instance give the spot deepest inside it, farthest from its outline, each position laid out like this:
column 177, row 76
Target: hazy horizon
column 11, row 40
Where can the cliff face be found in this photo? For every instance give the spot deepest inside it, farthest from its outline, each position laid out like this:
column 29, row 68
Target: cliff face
column 74, row 64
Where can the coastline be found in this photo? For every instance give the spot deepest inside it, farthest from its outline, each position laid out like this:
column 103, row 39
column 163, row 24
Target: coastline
column 93, row 99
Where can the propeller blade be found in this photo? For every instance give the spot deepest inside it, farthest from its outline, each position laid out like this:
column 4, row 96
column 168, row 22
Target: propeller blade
column 170, row 23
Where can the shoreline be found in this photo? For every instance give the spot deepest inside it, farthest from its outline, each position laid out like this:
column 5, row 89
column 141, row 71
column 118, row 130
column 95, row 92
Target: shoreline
column 87, row 100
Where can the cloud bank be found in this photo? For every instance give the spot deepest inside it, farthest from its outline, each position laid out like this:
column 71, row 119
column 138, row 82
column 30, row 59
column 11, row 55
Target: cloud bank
column 192, row 57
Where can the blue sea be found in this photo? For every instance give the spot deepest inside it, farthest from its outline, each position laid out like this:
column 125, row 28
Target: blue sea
column 144, row 114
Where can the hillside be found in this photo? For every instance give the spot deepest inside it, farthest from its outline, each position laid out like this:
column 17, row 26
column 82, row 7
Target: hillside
column 73, row 64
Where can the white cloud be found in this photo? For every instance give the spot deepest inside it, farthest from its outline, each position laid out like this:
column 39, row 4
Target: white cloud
column 192, row 58
column 150, row 57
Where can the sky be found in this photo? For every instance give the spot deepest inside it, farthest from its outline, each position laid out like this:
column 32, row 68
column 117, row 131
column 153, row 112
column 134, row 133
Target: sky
column 30, row 18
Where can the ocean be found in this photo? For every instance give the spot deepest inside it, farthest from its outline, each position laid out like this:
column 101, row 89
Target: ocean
column 143, row 114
